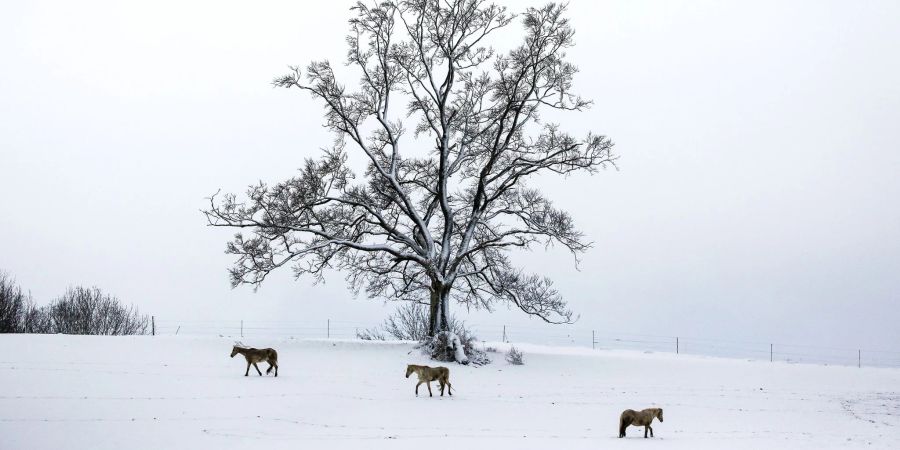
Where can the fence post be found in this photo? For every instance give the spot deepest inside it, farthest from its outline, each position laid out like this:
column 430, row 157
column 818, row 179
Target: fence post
column 504, row 333
column 859, row 358
column 593, row 340
column 153, row 325
column 242, row 327
column 771, row 352
column 677, row 345
column 328, row 329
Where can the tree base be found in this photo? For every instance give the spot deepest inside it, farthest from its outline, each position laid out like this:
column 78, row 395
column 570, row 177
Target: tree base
column 448, row 346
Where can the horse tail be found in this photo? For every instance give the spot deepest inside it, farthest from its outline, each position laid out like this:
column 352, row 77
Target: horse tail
column 272, row 358
column 624, row 421
column 445, row 378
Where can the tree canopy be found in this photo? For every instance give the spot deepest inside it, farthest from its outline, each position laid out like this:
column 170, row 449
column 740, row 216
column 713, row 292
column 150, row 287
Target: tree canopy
column 450, row 132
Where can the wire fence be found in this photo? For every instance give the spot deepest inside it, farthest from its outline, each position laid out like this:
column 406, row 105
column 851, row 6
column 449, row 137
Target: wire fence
column 559, row 335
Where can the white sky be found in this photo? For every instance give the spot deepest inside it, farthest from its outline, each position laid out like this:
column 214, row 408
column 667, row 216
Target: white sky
column 757, row 196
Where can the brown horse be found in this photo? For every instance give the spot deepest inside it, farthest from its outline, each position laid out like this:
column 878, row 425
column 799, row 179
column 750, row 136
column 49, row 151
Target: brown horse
column 639, row 419
column 258, row 355
column 428, row 374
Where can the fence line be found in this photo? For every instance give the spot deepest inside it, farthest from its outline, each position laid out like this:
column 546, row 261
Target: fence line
column 557, row 335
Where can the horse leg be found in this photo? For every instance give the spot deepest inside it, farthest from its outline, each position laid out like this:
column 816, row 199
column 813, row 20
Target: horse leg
column 645, row 431
column 441, row 383
column 417, row 387
column 651, row 430
column 257, row 369
column 248, row 369
column 428, row 383
column 276, row 369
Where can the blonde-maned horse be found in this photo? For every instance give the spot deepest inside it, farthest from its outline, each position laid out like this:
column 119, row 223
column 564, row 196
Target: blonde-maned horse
column 257, row 355
column 428, row 374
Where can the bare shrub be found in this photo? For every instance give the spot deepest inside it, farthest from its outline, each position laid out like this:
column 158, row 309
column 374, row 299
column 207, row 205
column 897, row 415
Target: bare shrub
column 36, row 319
column 79, row 311
column 371, row 334
column 89, row 311
column 514, row 356
column 459, row 346
column 13, row 305
column 410, row 322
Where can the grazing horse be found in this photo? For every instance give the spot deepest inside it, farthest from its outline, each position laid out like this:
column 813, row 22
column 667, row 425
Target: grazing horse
column 257, row 355
column 639, row 419
column 428, row 374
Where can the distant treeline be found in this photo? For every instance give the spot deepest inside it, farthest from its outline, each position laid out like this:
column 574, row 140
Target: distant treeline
column 80, row 310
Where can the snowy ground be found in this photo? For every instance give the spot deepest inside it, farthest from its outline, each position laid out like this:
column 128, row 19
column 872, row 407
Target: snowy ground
column 93, row 393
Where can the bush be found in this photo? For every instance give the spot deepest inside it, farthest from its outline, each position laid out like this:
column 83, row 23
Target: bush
column 459, row 346
column 514, row 356
column 36, row 320
column 373, row 334
column 410, row 323
column 79, row 311
column 13, row 305
column 89, row 311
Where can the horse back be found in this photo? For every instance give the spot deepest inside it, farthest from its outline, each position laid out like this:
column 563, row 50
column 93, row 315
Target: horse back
column 638, row 418
column 432, row 373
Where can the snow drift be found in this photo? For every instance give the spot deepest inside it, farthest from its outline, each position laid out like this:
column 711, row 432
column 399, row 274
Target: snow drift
column 90, row 392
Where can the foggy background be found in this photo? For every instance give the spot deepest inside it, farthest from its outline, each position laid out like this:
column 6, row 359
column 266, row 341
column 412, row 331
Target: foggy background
column 757, row 196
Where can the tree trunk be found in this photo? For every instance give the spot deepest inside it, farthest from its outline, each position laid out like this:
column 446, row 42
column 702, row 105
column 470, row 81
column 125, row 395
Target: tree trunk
column 437, row 313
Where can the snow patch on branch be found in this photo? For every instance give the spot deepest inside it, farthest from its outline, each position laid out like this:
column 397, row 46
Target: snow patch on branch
column 454, row 343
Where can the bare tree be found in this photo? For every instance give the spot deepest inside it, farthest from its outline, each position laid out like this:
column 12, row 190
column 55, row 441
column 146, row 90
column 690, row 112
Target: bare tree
column 450, row 134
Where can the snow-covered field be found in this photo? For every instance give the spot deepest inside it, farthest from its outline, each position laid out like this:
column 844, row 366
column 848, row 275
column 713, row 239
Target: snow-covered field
column 92, row 393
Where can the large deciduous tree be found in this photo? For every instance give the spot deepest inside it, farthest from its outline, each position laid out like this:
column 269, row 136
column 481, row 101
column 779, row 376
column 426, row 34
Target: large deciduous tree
column 450, row 134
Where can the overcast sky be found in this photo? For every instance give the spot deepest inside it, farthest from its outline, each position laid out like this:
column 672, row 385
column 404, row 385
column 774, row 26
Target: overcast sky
column 757, row 196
